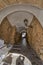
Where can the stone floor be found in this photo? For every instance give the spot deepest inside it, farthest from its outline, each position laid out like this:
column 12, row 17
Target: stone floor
column 28, row 52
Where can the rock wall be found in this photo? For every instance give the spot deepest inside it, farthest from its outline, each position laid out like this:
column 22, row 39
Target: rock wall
column 35, row 37
column 5, row 30
column 8, row 32
column 4, row 3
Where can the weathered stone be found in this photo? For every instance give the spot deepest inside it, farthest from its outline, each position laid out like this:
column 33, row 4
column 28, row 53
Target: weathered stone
column 12, row 35
column 5, row 30
column 4, row 3
column 35, row 35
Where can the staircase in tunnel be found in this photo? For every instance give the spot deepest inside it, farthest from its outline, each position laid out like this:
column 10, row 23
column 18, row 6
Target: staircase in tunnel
column 23, row 46
column 25, row 49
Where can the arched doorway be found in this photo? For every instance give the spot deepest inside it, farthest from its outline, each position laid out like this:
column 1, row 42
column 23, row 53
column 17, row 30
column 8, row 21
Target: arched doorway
column 21, row 13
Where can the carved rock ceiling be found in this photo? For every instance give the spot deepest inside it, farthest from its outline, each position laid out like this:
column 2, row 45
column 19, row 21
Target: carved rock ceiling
column 4, row 3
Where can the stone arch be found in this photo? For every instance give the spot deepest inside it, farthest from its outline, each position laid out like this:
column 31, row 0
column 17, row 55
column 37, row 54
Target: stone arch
column 13, row 8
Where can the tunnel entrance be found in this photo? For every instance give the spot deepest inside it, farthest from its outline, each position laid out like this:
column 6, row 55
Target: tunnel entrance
column 23, row 47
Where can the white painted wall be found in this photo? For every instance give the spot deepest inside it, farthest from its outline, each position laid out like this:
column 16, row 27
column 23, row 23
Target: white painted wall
column 17, row 18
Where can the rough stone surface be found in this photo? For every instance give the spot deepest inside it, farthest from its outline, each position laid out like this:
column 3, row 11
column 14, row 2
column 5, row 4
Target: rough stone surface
column 13, row 35
column 4, row 3
column 5, row 30
column 8, row 32
column 35, row 37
